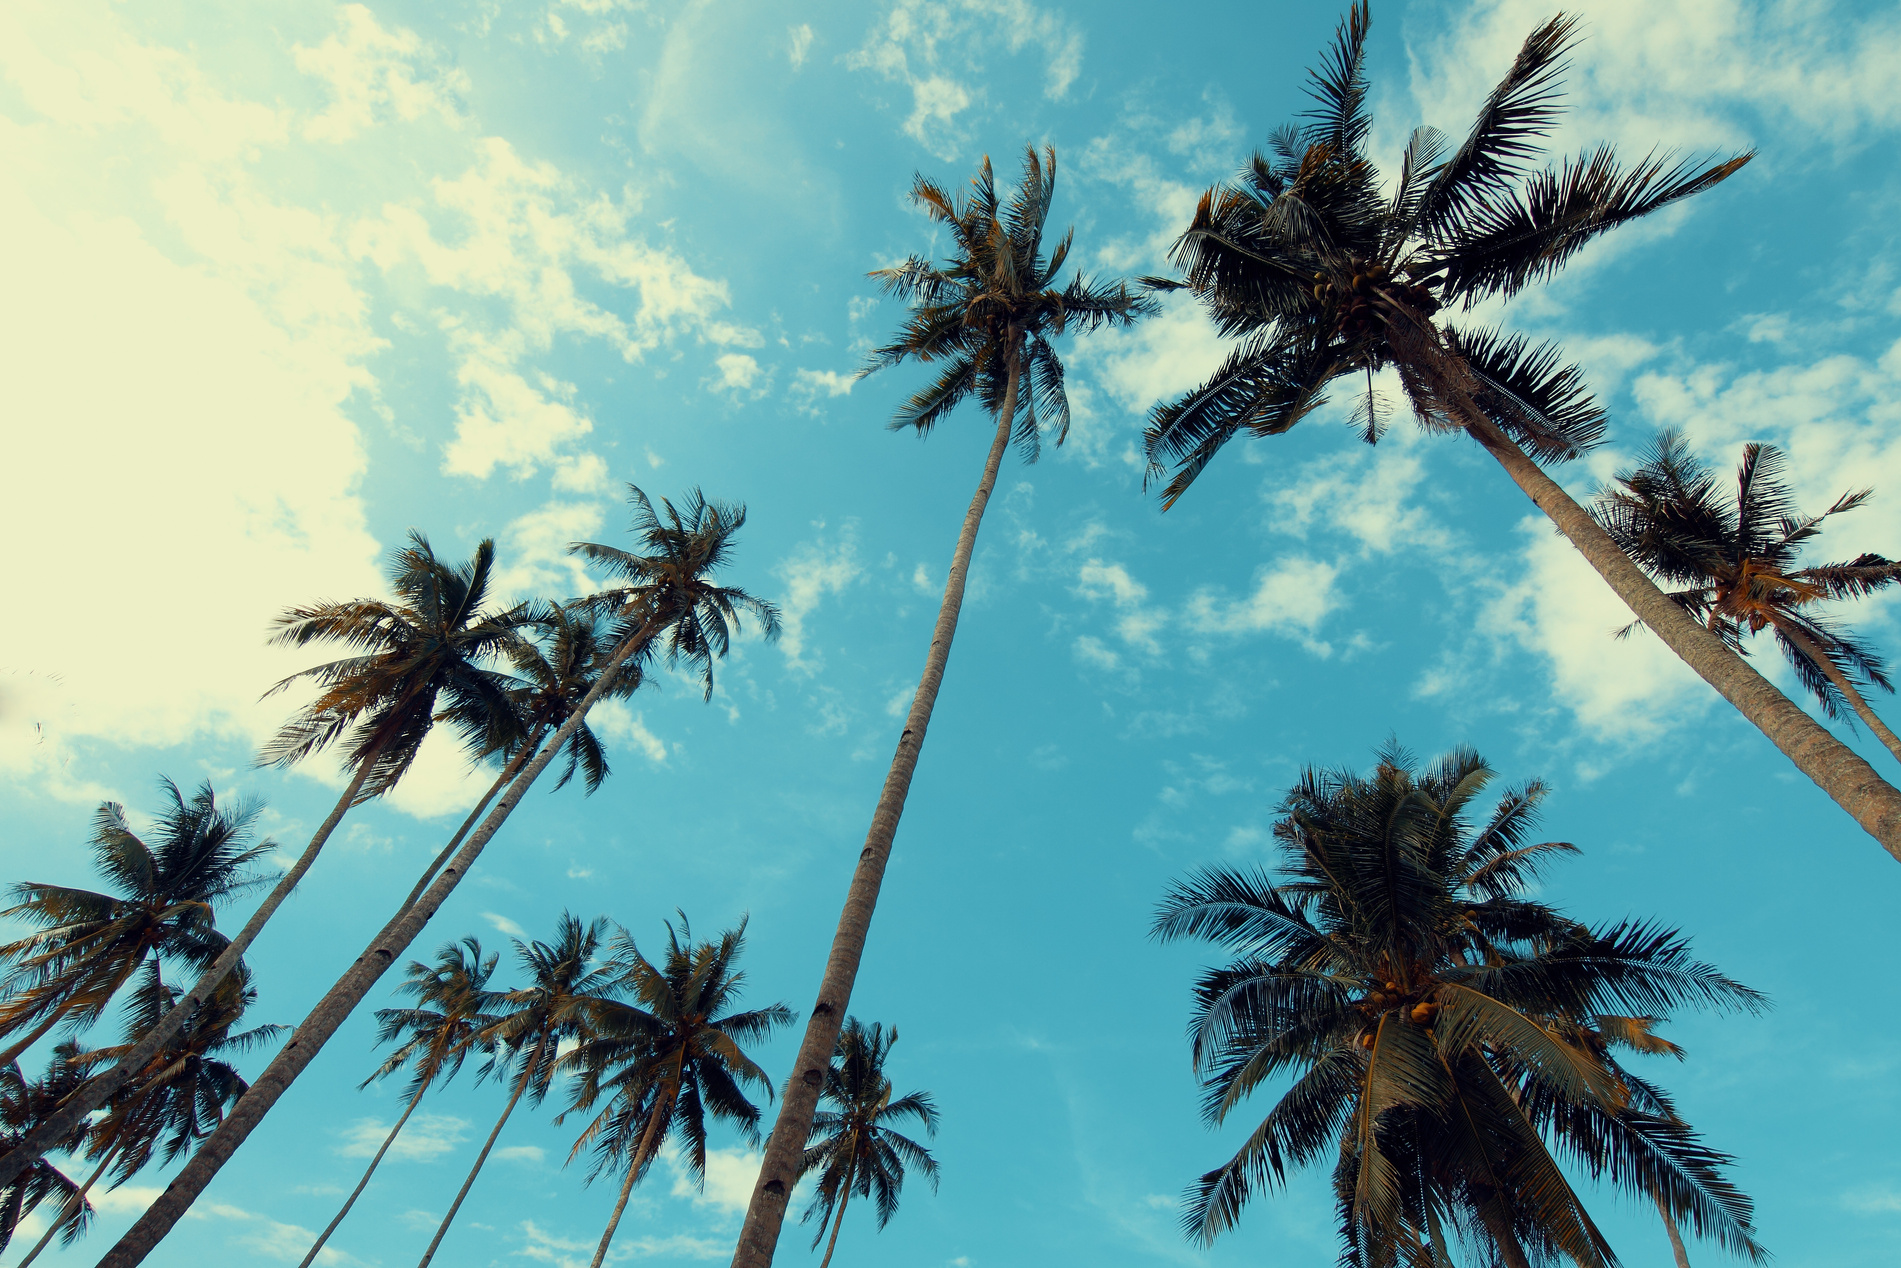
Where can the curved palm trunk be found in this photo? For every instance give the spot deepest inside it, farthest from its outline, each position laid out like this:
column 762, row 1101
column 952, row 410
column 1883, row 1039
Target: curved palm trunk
column 1500, row 1229
column 95, row 1092
column 12, row 1053
column 70, row 1207
column 798, row 1099
column 364, row 1183
column 509, row 772
column 838, row 1222
column 521, row 1085
column 1836, row 769
column 649, row 1143
column 336, row 1005
column 1826, row 663
column 1670, row 1227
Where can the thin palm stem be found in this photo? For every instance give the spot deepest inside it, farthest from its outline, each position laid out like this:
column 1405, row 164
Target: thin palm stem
column 799, row 1097
column 649, row 1142
column 349, row 991
column 364, row 1183
column 521, row 1085
column 71, row 1206
column 1670, row 1227
column 95, row 1092
column 513, row 768
column 1833, row 672
column 12, row 1053
column 838, row 1221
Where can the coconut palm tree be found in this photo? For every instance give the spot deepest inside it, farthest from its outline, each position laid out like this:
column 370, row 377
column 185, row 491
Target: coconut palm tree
column 159, row 904
column 853, row 1148
column 1449, row 1038
column 1735, row 560
column 567, row 982
column 433, row 1040
column 423, row 651
column 668, row 1055
column 1324, row 273
column 24, row 1105
column 989, row 315
column 664, row 601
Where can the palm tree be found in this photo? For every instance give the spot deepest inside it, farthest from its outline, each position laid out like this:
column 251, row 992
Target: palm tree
column 436, row 1038
column 424, row 650
column 1448, row 1037
column 852, row 1149
column 567, row 981
column 1324, row 275
column 160, row 903
column 1736, row 561
column 664, row 601
column 181, row 1094
column 667, row 1056
column 23, row 1106
column 989, row 314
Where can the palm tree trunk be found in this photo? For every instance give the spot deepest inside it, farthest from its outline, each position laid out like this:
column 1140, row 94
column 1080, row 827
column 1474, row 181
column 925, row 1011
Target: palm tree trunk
column 1670, row 1227
column 364, row 1183
column 53, row 1019
column 798, row 1098
column 1836, row 769
column 650, row 1141
column 521, row 1085
column 1833, row 672
column 336, row 1005
column 509, row 772
column 838, row 1222
column 95, row 1092
column 70, row 1207
column 1500, row 1228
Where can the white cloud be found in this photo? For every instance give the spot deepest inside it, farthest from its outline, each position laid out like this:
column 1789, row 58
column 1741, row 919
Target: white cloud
column 730, row 1176
column 576, row 1252
column 1136, row 622
column 614, row 722
column 1367, row 493
column 520, row 1153
column 739, row 375
column 502, row 419
column 505, row 925
column 809, row 386
column 1290, row 598
column 424, row 1138
column 798, row 44
column 1091, row 651
column 1873, row 1200
column 817, row 568
column 372, row 73
column 532, row 558
column 269, row 1237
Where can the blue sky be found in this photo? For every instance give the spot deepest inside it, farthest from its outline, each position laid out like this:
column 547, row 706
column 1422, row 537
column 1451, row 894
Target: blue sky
column 283, row 284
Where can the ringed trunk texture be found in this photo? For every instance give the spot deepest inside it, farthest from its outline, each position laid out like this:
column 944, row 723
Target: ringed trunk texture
column 95, row 1092
column 308, row 1039
column 1836, row 769
column 649, row 1143
column 521, row 1085
column 1824, row 662
column 798, row 1097
column 364, row 1183
column 1670, row 1227
column 838, row 1222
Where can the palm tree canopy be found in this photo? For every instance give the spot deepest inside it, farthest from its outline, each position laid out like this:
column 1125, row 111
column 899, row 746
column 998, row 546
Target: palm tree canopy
column 567, row 981
column 436, row 1036
column 994, row 304
column 426, row 647
column 23, row 1105
column 161, row 899
column 668, row 1053
column 556, row 671
column 1447, row 1035
column 854, row 1147
column 1736, row 557
column 1323, row 269
column 664, row 588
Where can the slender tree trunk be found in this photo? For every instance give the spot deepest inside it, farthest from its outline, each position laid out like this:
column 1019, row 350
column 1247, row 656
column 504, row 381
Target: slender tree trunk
column 70, row 1207
column 521, row 1085
column 838, row 1222
column 53, row 1019
column 1500, row 1228
column 1824, row 662
column 509, row 772
column 798, row 1098
column 364, row 1183
column 1836, row 769
column 650, row 1141
column 324, row 1019
column 95, row 1092
column 1670, row 1227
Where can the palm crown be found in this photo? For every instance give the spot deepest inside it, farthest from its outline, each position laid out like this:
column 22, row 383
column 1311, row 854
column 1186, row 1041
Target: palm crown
column 556, row 671
column 991, row 310
column 1325, row 272
column 435, row 1037
column 1445, row 1033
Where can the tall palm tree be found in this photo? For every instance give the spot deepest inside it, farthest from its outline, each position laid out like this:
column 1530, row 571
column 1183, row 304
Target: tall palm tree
column 853, row 1148
column 989, row 315
column 668, row 1055
column 1323, row 275
column 433, row 1040
column 159, row 905
column 420, row 652
column 24, row 1104
column 567, row 982
column 1449, row 1038
column 1736, row 561
column 664, row 600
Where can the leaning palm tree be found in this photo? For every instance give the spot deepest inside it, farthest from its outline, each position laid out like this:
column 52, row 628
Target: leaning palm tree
column 24, row 1105
column 853, row 1148
column 1326, row 274
column 663, row 601
column 1449, row 1039
column 567, row 982
column 667, row 1056
column 437, row 1036
column 423, row 652
column 159, row 904
column 989, row 315
column 1735, row 560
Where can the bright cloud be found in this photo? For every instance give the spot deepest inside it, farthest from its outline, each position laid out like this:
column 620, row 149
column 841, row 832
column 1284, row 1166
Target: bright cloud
column 817, row 568
column 424, row 1138
column 1290, row 598
column 372, row 73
